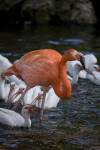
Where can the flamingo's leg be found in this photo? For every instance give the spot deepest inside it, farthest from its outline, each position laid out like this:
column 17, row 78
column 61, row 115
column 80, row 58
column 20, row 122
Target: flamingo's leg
column 43, row 101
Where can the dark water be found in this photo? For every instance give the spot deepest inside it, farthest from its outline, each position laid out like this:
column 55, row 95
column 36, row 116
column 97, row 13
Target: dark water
column 75, row 123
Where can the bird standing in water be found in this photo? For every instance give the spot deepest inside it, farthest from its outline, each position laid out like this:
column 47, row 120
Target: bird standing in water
column 44, row 67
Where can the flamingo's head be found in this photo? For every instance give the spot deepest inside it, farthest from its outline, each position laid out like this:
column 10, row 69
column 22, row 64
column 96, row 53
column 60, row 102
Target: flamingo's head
column 73, row 55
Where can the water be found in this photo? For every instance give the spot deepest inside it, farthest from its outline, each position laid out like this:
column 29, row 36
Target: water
column 75, row 123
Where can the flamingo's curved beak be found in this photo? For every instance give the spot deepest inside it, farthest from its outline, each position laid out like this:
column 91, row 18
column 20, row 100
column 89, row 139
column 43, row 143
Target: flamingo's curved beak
column 87, row 70
column 82, row 60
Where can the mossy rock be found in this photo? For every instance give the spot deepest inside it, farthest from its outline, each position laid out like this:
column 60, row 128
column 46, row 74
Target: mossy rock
column 8, row 4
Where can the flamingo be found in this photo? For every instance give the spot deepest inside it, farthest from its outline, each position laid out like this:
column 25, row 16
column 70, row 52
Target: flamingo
column 44, row 67
column 4, row 65
column 14, row 119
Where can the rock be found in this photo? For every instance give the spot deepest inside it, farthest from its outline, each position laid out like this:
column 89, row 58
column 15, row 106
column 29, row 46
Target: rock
column 83, row 12
column 8, row 4
column 44, row 11
column 40, row 10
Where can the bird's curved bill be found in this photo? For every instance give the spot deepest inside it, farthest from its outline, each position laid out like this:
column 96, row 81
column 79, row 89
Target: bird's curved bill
column 88, row 71
column 82, row 60
column 36, row 99
column 20, row 91
column 97, row 69
column 11, row 89
column 30, row 110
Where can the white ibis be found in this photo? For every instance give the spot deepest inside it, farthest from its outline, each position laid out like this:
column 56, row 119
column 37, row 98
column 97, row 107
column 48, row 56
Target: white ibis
column 14, row 119
column 76, row 68
column 6, row 89
column 51, row 99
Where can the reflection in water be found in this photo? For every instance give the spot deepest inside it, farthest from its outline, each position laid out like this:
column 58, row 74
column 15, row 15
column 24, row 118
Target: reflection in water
column 75, row 123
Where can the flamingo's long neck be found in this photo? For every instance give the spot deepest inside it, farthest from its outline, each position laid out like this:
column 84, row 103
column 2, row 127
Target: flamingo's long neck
column 63, row 87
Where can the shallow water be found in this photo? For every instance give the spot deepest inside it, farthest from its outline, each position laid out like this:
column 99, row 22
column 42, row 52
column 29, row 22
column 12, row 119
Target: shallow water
column 75, row 123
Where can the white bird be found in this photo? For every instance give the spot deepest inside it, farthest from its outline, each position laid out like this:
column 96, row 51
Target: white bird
column 94, row 68
column 28, row 97
column 16, row 93
column 90, row 60
column 76, row 68
column 96, row 71
column 5, row 89
column 14, row 119
column 4, row 65
column 51, row 99
column 95, row 80
column 31, row 95
column 37, row 90
column 71, row 69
